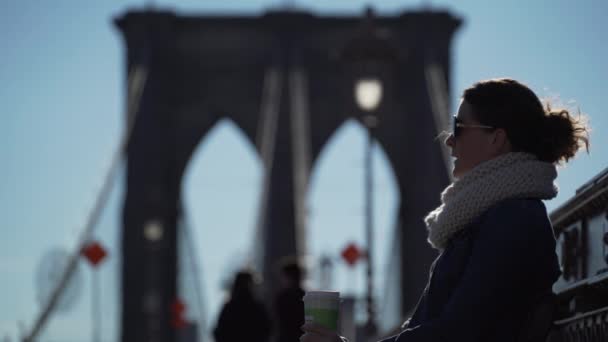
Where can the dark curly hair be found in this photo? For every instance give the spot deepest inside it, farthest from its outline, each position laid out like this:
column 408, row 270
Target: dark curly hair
column 553, row 135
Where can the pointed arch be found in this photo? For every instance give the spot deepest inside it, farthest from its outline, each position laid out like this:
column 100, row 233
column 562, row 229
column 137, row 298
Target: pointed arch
column 223, row 178
column 336, row 203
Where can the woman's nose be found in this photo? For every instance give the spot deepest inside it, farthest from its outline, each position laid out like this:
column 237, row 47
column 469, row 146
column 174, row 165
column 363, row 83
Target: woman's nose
column 449, row 141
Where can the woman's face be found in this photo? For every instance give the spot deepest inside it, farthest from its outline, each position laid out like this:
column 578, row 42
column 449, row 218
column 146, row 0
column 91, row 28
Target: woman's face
column 473, row 145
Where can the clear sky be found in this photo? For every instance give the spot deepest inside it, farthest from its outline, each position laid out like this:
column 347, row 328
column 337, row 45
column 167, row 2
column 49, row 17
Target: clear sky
column 61, row 109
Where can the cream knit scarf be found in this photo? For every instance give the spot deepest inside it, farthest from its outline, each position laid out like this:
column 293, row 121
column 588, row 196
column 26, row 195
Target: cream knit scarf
column 511, row 175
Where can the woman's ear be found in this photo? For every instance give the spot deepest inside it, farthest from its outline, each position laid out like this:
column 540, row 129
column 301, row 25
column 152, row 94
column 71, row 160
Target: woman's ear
column 501, row 141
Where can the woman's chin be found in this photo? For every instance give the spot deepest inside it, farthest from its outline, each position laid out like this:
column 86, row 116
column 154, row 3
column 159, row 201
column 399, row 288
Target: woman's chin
column 457, row 171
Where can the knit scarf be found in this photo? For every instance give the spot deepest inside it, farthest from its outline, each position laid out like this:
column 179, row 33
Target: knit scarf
column 511, row 175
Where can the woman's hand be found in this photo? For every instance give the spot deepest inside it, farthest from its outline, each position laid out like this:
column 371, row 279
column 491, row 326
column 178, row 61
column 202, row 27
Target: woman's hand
column 318, row 333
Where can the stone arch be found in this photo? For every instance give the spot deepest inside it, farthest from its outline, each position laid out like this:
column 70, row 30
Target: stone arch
column 214, row 217
column 352, row 172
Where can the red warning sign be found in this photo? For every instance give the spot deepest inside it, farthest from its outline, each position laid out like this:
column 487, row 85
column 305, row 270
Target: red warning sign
column 94, row 253
column 178, row 309
column 351, row 254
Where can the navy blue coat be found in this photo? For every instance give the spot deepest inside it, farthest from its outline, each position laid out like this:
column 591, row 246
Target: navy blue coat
column 486, row 279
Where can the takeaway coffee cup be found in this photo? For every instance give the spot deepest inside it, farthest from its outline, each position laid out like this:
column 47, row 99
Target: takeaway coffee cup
column 322, row 307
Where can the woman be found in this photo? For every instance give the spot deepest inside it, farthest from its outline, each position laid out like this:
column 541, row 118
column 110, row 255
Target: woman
column 497, row 248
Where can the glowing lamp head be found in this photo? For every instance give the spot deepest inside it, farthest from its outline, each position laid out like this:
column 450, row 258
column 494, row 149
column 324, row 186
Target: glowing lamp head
column 368, row 93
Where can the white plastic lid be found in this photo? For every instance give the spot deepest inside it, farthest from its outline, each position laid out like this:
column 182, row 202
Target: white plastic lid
column 322, row 295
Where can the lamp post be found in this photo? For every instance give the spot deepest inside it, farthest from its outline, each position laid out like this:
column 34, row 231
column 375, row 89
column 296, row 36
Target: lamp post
column 368, row 93
column 369, row 57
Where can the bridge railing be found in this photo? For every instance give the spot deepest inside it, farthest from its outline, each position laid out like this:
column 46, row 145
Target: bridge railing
column 582, row 240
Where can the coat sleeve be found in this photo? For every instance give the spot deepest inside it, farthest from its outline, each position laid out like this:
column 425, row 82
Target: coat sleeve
column 265, row 324
column 503, row 257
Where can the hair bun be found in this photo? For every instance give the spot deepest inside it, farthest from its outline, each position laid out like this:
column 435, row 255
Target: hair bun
column 563, row 134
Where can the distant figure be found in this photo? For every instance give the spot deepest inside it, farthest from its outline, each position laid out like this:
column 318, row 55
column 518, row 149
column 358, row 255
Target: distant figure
column 493, row 278
column 243, row 317
column 289, row 307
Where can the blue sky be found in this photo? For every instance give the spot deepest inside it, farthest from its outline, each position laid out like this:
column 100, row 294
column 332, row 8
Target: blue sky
column 62, row 101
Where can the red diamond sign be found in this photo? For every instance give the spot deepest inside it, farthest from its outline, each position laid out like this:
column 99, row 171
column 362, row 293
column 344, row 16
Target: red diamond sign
column 94, row 252
column 178, row 308
column 351, row 253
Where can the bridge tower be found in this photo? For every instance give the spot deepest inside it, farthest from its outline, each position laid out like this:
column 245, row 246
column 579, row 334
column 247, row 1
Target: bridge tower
column 286, row 79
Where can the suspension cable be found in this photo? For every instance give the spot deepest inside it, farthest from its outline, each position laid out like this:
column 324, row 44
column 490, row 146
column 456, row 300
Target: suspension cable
column 136, row 82
column 437, row 88
column 194, row 269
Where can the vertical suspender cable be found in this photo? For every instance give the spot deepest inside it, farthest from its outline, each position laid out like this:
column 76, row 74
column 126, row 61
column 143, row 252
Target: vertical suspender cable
column 266, row 141
column 193, row 268
column 300, row 135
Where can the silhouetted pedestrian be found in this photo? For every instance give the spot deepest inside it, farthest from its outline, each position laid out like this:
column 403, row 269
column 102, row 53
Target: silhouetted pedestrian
column 289, row 307
column 243, row 317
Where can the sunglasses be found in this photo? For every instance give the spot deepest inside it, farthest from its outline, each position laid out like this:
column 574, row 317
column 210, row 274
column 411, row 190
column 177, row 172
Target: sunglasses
column 457, row 126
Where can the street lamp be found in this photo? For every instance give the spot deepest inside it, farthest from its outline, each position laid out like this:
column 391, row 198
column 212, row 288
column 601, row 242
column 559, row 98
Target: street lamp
column 368, row 93
column 369, row 57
